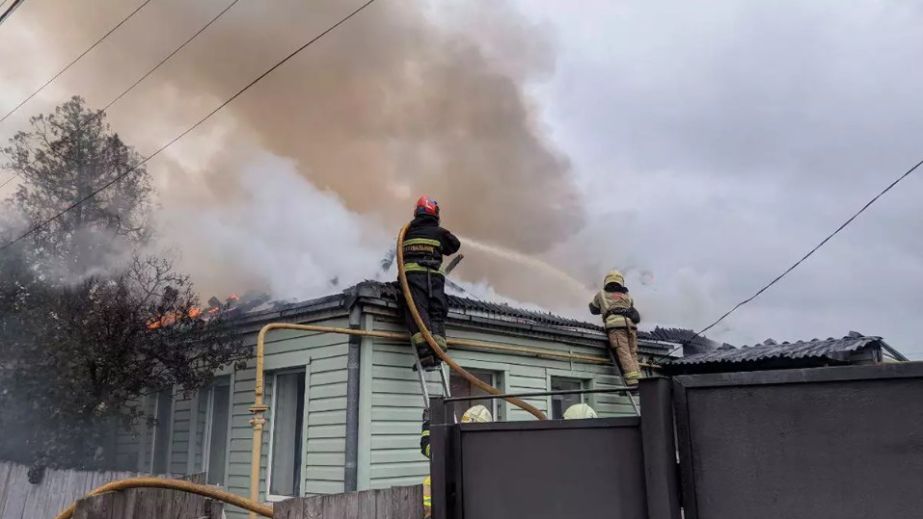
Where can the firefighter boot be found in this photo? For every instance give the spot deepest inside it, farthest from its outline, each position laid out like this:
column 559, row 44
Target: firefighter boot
column 428, row 359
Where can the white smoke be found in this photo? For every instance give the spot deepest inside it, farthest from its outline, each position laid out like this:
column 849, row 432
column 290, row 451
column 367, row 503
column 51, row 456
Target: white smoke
column 290, row 238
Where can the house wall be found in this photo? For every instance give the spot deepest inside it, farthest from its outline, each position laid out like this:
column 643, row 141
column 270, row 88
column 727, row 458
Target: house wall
column 393, row 404
column 390, row 404
column 323, row 357
column 133, row 446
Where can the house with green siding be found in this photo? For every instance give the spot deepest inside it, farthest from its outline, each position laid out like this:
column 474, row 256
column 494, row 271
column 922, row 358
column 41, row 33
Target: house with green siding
column 345, row 412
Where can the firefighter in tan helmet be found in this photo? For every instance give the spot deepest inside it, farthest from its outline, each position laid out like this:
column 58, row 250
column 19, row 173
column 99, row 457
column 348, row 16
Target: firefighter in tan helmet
column 621, row 319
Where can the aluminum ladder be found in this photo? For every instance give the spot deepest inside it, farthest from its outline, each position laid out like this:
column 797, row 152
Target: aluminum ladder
column 618, row 371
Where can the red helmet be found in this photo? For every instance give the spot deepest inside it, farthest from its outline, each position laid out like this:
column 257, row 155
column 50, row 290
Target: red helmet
column 426, row 205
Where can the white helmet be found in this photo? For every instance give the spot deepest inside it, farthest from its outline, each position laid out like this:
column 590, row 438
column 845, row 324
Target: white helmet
column 477, row 414
column 579, row 412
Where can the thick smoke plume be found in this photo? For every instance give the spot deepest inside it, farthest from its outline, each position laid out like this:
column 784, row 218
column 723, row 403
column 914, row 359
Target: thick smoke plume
column 282, row 189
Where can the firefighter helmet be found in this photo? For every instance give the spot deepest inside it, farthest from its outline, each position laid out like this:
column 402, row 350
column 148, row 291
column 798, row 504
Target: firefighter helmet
column 614, row 276
column 477, row 414
column 579, row 412
column 426, row 205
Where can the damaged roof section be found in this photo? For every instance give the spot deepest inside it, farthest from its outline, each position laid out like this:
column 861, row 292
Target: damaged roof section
column 854, row 348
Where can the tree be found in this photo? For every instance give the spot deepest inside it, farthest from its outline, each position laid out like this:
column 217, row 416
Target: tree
column 64, row 158
column 86, row 334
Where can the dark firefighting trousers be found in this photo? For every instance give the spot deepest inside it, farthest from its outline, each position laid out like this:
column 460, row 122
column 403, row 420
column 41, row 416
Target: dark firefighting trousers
column 428, row 290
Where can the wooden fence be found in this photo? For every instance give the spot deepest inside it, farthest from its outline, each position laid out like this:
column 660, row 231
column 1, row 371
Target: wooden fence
column 20, row 499
column 391, row 503
column 148, row 503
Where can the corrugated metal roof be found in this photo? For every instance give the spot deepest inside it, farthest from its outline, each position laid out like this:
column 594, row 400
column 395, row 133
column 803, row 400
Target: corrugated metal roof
column 830, row 348
column 462, row 305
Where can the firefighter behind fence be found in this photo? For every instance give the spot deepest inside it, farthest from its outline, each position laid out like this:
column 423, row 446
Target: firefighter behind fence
column 621, row 319
column 425, row 243
column 477, row 414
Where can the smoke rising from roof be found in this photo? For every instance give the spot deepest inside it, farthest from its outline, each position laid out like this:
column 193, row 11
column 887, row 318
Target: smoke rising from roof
column 403, row 99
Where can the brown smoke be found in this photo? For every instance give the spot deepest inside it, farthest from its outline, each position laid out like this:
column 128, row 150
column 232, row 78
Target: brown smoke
column 406, row 98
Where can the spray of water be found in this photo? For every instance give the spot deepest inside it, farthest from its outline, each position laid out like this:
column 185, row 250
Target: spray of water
column 539, row 266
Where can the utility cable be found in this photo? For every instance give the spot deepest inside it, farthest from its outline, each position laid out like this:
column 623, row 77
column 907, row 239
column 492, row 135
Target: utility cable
column 3, row 185
column 75, row 60
column 9, row 11
column 168, row 56
column 151, row 71
column 198, row 123
column 797, row 263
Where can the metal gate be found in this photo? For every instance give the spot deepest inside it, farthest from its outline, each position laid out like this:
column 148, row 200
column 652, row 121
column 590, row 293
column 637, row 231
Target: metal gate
column 823, row 443
column 844, row 443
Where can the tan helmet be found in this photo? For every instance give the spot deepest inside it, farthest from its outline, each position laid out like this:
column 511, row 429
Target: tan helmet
column 579, row 412
column 477, row 414
column 614, row 276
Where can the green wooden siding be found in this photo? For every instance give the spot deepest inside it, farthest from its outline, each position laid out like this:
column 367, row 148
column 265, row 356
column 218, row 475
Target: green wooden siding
column 133, row 446
column 396, row 404
column 179, row 437
column 390, row 405
column 396, row 413
column 323, row 358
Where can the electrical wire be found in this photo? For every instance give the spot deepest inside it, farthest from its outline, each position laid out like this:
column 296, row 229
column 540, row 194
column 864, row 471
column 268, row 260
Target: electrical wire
column 149, row 72
column 75, row 60
column 198, row 123
column 3, row 185
column 797, row 263
column 6, row 14
column 168, row 56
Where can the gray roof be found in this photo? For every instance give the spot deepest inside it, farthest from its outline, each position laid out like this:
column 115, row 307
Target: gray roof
column 388, row 293
column 829, row 349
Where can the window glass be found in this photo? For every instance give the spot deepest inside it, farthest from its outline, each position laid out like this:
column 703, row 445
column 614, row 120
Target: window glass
column 560, row 403
column 287, row 417
column 461, row 387
column 218, row 433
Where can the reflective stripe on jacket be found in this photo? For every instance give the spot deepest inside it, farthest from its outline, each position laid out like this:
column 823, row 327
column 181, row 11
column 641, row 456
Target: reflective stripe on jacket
column 614, row 307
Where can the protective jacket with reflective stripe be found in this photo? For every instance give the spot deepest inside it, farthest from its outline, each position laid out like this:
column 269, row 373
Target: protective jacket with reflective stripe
column 425, row 243
column 617, row 308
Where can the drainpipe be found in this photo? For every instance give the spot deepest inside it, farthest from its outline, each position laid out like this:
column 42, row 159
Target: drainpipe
column 351, row 471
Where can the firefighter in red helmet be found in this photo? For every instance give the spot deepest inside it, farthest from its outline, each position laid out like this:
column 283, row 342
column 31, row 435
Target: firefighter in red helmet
column 425, row 243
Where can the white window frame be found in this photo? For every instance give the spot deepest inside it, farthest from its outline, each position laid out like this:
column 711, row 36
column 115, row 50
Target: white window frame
column 272, row 430
column 209, row 426
column 586, row 383
column 495, row 375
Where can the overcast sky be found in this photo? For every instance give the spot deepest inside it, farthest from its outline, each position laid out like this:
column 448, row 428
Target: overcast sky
column 709, row 144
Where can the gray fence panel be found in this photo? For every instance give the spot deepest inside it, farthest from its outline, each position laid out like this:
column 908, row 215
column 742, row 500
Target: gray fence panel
column 553, row 469
column 844, row 443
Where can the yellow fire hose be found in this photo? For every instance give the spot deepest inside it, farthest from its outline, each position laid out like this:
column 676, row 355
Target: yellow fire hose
column 175, row 484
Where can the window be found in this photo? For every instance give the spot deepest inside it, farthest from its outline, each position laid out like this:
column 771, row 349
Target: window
column 216, row 432
column 163, row 413
column 461, row 387
column 287, row 426
column 560, row 403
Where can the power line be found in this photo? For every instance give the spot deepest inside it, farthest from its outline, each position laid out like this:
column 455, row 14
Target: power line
column 168, row 56
column 6, row 14
column 117, row 179
column 797, row 263
column 82, row 54
column 152, row 70
column 14, row 175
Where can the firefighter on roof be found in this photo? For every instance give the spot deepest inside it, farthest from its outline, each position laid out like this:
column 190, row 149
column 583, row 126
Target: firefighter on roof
column 425, row 243
column 621, row 320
